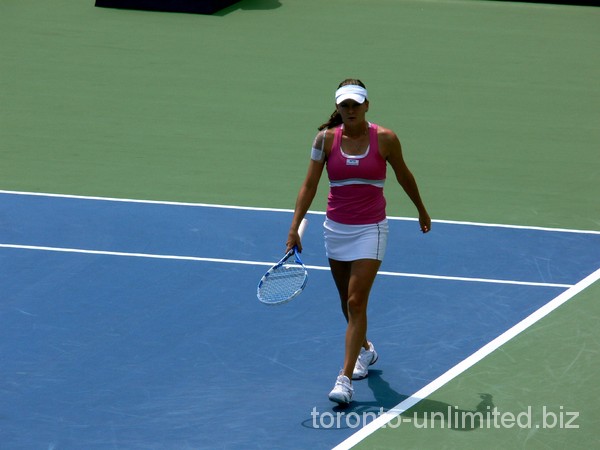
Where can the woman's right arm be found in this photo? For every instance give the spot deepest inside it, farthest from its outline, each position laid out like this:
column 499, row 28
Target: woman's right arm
column 307, row 193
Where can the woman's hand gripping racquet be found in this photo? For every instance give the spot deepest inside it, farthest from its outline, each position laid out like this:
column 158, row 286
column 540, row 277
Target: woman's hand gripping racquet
column 286, row 279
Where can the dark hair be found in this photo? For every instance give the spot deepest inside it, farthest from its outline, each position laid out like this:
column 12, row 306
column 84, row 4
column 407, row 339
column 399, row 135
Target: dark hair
column 335, row 119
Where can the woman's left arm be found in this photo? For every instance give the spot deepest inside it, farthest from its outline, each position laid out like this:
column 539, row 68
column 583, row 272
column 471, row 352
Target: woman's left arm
column 392, row 151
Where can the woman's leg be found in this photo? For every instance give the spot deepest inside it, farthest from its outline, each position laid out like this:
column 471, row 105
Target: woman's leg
column 341, row 271
column 354, row 281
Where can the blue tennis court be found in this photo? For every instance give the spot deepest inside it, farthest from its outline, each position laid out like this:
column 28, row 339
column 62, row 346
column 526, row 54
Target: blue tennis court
column 130, row 324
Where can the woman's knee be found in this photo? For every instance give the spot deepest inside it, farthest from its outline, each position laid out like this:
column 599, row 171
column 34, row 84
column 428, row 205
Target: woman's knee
column 357, row 305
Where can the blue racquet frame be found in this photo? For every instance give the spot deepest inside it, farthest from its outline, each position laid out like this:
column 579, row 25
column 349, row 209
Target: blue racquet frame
column 285, row 280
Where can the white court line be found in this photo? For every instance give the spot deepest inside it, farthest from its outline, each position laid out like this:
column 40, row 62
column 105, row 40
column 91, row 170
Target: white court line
column 268, row 264
column 462, row 366
column 252, row 208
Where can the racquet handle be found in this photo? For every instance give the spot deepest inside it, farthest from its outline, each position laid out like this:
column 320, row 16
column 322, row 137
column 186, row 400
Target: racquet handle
column 302, row 227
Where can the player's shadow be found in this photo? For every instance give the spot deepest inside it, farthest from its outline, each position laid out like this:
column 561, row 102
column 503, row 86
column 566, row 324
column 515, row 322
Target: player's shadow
column 426, row 413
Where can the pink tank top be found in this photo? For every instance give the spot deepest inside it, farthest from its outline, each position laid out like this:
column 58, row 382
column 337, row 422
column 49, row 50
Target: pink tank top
column 356, row 183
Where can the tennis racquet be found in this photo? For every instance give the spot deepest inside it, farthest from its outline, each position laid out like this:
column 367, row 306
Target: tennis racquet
column 286, row 279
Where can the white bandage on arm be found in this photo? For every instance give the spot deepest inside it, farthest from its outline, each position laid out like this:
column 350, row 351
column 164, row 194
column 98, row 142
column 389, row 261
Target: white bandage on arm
column 316, row 153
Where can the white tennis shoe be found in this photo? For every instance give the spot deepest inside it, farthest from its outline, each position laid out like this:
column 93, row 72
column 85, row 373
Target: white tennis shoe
column 342, row 391
column 365, row 359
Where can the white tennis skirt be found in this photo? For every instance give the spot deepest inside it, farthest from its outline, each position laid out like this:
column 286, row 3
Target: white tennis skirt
column 352, row 242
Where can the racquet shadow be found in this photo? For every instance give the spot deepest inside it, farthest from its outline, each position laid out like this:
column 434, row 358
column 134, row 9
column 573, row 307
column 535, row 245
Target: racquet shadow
column 426, row 413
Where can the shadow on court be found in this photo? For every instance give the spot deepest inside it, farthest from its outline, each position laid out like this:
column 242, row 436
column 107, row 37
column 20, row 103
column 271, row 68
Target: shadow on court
column 425, row 414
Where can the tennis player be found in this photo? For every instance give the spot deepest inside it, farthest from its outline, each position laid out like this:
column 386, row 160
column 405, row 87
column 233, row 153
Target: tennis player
column 356, row 154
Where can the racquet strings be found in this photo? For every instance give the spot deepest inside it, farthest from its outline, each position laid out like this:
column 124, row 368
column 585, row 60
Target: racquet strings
column 282, row 283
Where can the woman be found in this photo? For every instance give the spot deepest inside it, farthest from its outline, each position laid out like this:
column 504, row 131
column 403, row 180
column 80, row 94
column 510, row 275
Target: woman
column 356, row 154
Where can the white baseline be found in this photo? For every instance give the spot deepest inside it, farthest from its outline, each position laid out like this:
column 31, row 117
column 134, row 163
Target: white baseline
column 253, row 208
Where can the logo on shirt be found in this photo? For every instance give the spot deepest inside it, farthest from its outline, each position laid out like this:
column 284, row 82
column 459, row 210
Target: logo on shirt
column 352, row 162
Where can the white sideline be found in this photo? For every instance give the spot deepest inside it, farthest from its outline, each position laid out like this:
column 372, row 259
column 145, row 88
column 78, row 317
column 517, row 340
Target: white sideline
column 462, row 366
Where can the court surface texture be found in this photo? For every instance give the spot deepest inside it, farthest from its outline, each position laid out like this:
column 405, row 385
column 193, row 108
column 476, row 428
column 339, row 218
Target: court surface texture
column 134, row 323
column 148, row 166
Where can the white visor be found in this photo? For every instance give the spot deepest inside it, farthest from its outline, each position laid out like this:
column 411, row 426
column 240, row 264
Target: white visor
column 352, row 92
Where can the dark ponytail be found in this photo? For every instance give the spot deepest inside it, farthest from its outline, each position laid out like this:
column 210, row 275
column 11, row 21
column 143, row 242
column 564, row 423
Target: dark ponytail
column 335, row 119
